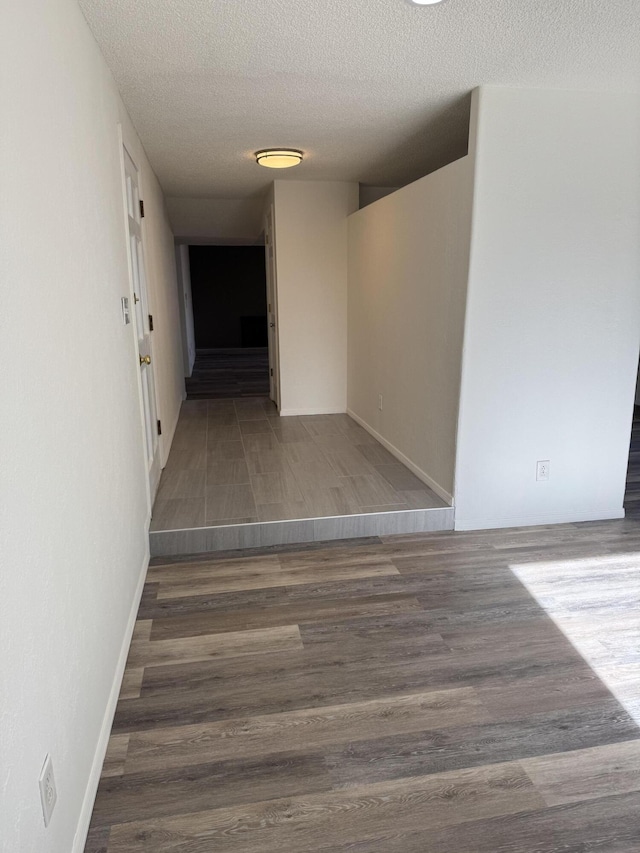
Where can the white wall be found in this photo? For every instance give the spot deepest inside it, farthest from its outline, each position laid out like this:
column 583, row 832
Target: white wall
column 553, row 316
column 73, row 494
column 229, row 221
column 370, row 194
column 311, row 260
column 188, row 334
column 408, row 268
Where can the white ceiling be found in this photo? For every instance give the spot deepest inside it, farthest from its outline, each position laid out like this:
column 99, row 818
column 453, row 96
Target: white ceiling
column 375, row 91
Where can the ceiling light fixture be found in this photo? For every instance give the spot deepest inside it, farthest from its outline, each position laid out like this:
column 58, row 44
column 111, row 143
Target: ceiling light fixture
column 424, row 2
column 278, row 158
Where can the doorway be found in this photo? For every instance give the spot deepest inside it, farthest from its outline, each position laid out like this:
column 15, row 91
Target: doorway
column 632, row 492
column 142, row 319
column 272, row 308
column 229, row 299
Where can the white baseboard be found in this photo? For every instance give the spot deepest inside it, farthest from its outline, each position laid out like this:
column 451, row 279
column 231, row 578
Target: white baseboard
column 288, row 413
column 82, row 829
column 538, row 520
column 420, row 474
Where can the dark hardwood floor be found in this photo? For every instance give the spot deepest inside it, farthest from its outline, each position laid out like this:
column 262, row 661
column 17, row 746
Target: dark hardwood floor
column 229, row 373
column 396, row 695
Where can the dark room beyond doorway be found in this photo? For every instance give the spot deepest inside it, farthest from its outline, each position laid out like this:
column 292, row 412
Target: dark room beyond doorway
column 229, row 294
column 228, row 286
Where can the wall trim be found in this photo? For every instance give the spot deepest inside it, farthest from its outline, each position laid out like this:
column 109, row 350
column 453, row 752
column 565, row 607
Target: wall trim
column 537, row 520
column 84, row 819
column 420, row 474
column 287, row 413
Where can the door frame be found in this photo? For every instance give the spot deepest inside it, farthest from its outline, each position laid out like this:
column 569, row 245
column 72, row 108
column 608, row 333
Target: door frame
column 153, row 471
column 273, row 328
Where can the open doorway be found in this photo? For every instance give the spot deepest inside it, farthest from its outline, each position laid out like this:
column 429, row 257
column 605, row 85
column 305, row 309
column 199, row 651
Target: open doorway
column 229, row 298
column 632, row 492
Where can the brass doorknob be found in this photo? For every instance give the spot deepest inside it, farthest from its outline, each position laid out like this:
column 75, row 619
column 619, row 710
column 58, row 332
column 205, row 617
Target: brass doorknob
column 145, row 359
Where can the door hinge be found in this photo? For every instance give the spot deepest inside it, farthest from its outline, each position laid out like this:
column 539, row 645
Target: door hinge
column 271, row 371
column 159, row 427
column 151, row 322
column 141, row 209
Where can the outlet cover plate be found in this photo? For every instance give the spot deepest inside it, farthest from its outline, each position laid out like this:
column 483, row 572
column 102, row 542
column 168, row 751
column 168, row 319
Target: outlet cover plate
column 542, row 469
column 48, row 792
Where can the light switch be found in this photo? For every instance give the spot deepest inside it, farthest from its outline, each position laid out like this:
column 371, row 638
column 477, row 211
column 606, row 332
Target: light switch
column 126, row 316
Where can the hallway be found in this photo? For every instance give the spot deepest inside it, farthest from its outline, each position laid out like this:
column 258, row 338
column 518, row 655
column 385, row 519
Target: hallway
column 236, row 463
column 454, row 261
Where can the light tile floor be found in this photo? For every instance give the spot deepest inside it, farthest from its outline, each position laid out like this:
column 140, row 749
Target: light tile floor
column 236, row 461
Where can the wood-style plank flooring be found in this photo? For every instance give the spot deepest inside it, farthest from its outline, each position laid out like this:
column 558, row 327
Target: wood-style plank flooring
column 238, row 462
column 229, row 373
column 412, row 694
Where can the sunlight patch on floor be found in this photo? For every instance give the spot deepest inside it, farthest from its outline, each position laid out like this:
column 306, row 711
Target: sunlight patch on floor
column 595, row 602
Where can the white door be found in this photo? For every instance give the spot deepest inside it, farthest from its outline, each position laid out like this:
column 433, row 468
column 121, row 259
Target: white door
column 142, row 321
column 272, row 309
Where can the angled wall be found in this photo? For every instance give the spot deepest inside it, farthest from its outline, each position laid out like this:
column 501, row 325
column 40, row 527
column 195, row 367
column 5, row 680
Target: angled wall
column 408, row 269
column 553, row 314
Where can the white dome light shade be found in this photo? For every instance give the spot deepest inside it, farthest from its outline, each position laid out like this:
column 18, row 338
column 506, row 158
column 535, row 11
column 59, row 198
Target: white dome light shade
column 279, row 158
column 425, row 2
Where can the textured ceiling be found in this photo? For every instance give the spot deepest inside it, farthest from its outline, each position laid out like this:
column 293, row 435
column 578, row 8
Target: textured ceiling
column 375, row 91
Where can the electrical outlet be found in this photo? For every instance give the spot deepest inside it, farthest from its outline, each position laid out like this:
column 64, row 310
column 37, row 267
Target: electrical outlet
column 48, row 793
column 380, row 401
column 542, row 470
